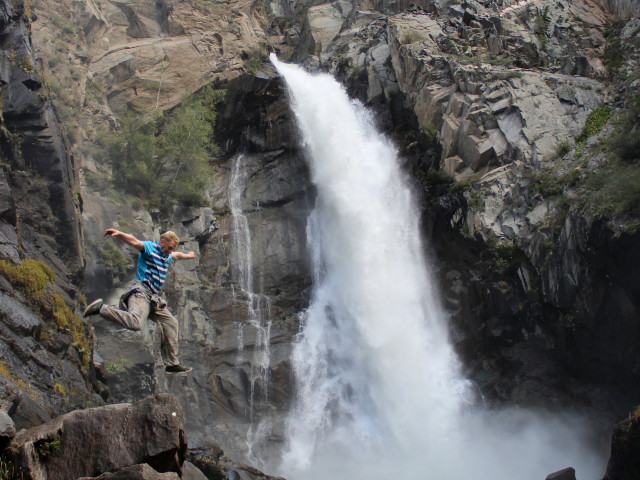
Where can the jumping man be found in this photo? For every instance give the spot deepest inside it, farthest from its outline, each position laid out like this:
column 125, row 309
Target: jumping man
column 142, row 300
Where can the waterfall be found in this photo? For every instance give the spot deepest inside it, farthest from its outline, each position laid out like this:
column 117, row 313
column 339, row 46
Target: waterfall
column 258, row 305
column 379, row 391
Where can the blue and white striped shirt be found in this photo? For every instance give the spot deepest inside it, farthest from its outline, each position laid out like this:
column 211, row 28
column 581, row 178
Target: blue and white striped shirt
column 152, row 266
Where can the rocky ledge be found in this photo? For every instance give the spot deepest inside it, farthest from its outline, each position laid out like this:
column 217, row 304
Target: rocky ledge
column 147, row 440
column 144, row 440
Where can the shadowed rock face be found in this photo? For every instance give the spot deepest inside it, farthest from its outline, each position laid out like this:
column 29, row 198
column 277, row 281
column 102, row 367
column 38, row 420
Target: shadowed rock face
column 624, row 463
column 39, row 148
column 44, row 368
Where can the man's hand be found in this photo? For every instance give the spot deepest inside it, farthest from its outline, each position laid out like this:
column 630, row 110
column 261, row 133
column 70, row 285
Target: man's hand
column 125, row 237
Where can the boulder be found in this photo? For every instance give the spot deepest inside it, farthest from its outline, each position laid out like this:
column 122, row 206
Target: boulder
column 191, row 472
column 136, row 472
column 624, row 462
column 564, row 474
column 27, row 413
column 87, row 443
column 7, row 429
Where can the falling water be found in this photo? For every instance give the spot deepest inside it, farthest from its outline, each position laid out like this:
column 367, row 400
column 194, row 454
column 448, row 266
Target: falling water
column 379, row 389
column 258, row 305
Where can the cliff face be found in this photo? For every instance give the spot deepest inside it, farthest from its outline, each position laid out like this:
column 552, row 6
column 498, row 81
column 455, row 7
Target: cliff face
column 479, row 96
column 45, row 349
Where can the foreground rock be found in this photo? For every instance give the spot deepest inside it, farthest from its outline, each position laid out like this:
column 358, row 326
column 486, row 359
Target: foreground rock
column 87, row 443
column 624, row 463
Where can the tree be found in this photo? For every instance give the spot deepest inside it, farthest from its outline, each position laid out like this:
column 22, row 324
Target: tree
column 165, row 160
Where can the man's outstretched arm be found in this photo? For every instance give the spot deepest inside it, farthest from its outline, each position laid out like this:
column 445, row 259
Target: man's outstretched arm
column 183, row 256
column 125, row 237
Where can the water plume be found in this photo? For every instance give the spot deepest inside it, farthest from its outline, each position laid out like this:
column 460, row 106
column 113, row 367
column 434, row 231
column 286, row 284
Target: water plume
column 379, row 392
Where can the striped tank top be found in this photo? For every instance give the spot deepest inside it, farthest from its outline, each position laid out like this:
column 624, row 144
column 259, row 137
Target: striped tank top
column 152, row 266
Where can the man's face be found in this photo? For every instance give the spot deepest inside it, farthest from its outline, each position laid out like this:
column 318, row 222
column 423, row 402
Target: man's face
column 167, row 246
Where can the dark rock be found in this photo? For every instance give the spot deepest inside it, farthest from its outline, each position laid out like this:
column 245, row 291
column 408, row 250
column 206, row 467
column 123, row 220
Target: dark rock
column 26, row 413
column 564, row 474
column 624, row 463
column 173, row 29
column 41, row 148
column 17, row 316
column 206, row 459
column 191, row 472
column 7, row 429
column 136, row 472
column 90, row 442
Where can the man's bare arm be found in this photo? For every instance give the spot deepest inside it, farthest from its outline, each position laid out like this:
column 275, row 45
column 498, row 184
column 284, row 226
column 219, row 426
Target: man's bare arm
column 183, row 256
column 125, row 237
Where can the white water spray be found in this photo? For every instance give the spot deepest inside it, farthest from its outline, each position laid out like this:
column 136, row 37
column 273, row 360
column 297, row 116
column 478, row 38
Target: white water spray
column 379, row 391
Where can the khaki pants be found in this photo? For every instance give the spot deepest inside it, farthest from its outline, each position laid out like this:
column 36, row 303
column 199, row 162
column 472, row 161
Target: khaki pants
column 138, row 309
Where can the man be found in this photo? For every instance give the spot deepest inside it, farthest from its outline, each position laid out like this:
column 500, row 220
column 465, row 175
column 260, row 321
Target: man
column 142, row 298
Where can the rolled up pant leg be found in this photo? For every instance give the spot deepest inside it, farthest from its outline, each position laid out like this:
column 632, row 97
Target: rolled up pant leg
column 168, row 335
column 137, row 312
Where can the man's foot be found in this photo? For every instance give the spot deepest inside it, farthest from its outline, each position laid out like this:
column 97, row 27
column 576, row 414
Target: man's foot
column 173, row 369
column 93, row 308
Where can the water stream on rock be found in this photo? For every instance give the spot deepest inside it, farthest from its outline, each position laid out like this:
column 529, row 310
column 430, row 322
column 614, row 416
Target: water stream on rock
column 379, row 393
column 258, row 306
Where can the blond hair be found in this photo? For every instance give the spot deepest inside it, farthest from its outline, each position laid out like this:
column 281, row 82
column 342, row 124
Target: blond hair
column 170, row 237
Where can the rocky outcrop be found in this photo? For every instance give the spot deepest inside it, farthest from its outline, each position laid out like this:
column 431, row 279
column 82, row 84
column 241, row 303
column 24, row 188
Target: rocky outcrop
column 143, row 440
column 624, row 463
column 86, row 443
column 44, row 347
column 622, row 8
column 38, row 146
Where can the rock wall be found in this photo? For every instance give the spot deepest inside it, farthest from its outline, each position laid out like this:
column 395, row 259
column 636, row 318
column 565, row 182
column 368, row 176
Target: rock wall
column 143, row 440
column 44, row 348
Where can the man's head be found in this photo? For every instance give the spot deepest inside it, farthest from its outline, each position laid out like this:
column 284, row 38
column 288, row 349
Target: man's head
column 168, row 242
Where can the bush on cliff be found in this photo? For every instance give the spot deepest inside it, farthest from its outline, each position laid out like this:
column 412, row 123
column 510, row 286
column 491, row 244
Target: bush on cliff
column 604, row 178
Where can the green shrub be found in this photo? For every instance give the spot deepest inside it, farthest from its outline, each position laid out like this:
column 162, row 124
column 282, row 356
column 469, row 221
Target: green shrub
column 31, row 276
column 614, row 192
column 67, row 321
column 624, row 142
column 6, row 468
column 409, row 36
column 47, row 447
column 117, row 366
column 430, row 132
column 563, row 148
column 476, row 201
column 438, row 177
column 612, row 56
column 596, row 120
column 550, row 182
